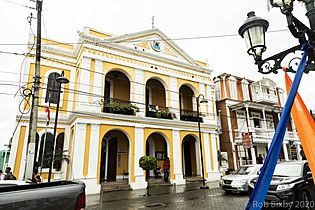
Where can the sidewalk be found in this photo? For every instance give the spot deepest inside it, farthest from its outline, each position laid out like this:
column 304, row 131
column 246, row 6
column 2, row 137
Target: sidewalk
column 93, row 200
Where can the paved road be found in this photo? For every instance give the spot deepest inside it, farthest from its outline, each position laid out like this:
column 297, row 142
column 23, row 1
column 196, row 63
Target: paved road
column 168, row 198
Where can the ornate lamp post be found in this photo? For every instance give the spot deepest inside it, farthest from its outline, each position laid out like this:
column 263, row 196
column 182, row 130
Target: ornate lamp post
column 203, row 100
column 254, row 28
column 61, row 80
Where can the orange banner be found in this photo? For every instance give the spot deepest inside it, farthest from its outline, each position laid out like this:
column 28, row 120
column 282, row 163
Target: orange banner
column 305, row 126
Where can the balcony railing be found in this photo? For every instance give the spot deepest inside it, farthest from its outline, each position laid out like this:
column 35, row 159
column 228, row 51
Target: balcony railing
column 261, row 134
column 188, row 115
column 118, row 106
column 159, row 112
column 264, row 97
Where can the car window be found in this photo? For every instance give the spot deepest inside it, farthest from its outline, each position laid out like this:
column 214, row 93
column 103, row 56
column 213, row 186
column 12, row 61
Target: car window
column 288, row 170
column 244, row 170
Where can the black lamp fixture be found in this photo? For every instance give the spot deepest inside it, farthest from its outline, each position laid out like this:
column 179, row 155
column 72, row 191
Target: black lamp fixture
column 61, row 80
column 254, row 28
column 201, row 99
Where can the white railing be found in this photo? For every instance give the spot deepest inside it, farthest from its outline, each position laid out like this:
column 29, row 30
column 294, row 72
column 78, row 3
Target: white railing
column 264, row 134
column 265, row 97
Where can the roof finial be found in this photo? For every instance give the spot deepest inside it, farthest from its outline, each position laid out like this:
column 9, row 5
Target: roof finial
column 152, row 21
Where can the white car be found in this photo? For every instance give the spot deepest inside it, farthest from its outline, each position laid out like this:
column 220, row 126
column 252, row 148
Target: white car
column 238, row 181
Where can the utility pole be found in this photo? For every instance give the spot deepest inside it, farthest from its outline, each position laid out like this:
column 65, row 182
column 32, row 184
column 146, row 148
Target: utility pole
column 34, row 109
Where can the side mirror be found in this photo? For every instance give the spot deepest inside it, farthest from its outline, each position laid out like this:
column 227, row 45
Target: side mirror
column 258, row 172
column 309, row 174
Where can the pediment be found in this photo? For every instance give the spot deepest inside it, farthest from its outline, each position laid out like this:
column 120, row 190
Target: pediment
column 155, row 42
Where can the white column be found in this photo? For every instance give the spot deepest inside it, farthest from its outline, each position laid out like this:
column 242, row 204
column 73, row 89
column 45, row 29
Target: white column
column 84, row 85
column 24, row 154
column 174, row 99
column 139, row 92
column 139, row 182
column 78, row 151
column 285, row 151
column 253, row 153
column 98, row 88
column 177, row 161
column 264, row 118
column 210, row 103
column 65, row 165
column 91, row 182
column 214, row 174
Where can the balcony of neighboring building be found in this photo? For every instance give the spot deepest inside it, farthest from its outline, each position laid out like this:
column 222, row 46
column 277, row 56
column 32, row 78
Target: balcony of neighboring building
column 117, row 94
column 264, row 91
column 155, row 100
column 188, row 106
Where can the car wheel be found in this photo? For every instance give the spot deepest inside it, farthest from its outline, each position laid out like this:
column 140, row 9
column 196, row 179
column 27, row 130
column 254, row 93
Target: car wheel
column 305, row 199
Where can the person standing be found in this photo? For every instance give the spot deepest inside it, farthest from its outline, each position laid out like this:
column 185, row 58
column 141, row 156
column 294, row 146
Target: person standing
column 8, row 174
column 166, row 168
column 260, row 159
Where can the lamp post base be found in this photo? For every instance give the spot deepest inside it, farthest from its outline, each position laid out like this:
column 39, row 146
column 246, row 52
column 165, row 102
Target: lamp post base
column 204, row 187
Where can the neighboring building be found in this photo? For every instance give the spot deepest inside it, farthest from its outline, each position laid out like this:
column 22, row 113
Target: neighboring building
column 4, row 158
column 251, row 106
column 128, row 96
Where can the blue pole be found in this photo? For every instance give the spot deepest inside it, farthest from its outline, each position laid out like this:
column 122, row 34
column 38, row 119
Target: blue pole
column 257, row 197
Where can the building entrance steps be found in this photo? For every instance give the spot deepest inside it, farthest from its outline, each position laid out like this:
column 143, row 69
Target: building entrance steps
column 115, row 185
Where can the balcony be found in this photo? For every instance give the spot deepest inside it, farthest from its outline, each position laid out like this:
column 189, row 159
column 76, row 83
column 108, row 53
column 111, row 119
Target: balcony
column 265, row 98
column 261, row 135
column 159, row 112
column 118, row 106
column 188, row 115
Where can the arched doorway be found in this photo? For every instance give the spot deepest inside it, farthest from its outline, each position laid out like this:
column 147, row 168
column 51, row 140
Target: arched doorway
column 117, row 94
column 114, row 156
column 187, row 103
column 190, row 154
column 156, row 146
column 155, row 98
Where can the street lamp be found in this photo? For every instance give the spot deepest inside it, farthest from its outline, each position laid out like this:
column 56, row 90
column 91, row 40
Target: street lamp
column 254, row 28
column 203, row 100
column 61, row 80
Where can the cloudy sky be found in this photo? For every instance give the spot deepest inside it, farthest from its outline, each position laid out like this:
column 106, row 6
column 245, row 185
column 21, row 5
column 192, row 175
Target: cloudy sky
column 176, row 18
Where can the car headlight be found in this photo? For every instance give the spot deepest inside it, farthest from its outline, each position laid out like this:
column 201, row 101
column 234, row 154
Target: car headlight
column 242, row 181
column 284, row 186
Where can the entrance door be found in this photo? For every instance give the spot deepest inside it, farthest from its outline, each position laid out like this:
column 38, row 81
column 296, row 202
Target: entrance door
column 112, row 159
column 187, row 156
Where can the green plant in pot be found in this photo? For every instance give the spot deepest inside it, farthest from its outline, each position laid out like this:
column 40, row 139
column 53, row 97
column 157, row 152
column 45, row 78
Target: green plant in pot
column 58, row 159
column 147, row 163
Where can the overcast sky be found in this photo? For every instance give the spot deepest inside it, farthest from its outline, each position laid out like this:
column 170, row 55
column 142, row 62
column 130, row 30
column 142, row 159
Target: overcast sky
column 176, row 18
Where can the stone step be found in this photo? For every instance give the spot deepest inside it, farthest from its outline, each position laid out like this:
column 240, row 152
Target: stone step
column 114, row 186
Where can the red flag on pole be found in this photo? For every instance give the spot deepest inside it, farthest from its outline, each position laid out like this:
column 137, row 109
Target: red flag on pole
column 47, row 110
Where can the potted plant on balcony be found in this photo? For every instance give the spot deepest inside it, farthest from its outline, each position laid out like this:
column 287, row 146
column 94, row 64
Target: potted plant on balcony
column 58, row 158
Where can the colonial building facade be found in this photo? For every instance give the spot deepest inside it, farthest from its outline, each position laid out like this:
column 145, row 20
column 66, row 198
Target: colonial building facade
column 254, row 107
column 128, row 96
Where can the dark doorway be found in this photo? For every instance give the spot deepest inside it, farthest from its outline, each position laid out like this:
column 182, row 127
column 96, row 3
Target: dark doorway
column 112, row 159
column 187, row 156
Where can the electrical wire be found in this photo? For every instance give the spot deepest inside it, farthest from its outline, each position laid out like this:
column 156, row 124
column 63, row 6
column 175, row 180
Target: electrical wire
column 145, row 40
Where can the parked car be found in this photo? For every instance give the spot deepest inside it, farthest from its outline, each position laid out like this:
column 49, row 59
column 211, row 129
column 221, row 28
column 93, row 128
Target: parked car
column 291, row 186
column 54, row 195
column 238, row 180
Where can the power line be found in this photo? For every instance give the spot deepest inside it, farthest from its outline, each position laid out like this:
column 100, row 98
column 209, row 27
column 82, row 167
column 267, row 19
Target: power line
column 22, row 5
column 146, row 40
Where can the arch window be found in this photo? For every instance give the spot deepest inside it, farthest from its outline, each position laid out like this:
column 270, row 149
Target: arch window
column 44, row 158
column 52, row 88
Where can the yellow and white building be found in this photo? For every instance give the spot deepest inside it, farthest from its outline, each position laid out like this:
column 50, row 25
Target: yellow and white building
column 128, row 96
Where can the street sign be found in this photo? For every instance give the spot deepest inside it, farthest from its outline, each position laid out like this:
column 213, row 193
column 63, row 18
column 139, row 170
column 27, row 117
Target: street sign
column 247, row 139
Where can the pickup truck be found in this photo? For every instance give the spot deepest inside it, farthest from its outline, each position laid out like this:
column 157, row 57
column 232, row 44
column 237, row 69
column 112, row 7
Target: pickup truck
column 54, row 195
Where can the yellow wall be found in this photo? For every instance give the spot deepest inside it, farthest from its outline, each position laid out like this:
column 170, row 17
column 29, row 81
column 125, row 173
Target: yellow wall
column 19, row 151
column 157, row 92
column 122, row 154
column 121, row 89
column 87, row 150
